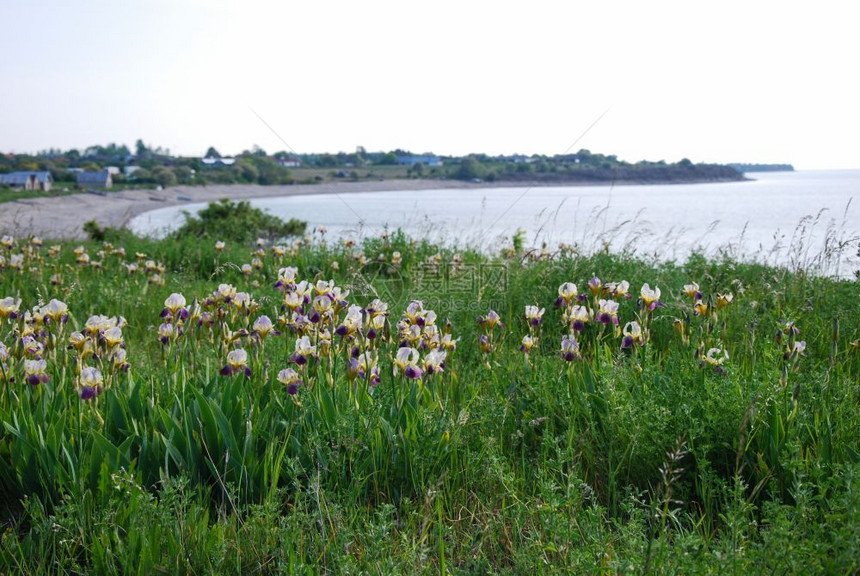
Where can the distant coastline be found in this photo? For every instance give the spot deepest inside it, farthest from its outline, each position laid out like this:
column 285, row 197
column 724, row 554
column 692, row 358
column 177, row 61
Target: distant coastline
column 745, row 167
column 63, row 217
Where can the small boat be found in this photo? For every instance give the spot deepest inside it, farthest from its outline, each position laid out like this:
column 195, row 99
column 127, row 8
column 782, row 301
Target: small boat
column 184, row 198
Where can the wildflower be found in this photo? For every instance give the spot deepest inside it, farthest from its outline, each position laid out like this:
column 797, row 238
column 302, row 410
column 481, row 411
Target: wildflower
column 57, row 311
column 692, row 291
column 83, row 258
column 9, row 307
column 650, row 298
column 113, row 337
column 618, row 290
column 491, row 320
column 570, row 348
column 16, row 262
column 263, row 326
column 7, row 242
column 34, row 371
column 700, row 308
column 724, row 300
column 303, row 350
column 406, row 361
column 174, row 307
column 247, row 270
column 632, row 335
column 91, row 383
column 595, row 286
column 290, row 378
column 798, row 349
column 716, row 356
column 335, row 267
column 166, row 332
column 434, row 361
column 786, row 327
column 448, row 343
column 322, row 308
column 237, row 361
column 219, row 246
column 608, row 312
column 527, row 344
column 352, row 323
column 119, row 360
column 534, row 315
column 32, row 347
column 485, row 344
column 567, row 292
column 578, row 317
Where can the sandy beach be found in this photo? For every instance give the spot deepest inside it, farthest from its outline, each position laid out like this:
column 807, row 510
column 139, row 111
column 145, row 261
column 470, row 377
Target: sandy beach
column 63, row 217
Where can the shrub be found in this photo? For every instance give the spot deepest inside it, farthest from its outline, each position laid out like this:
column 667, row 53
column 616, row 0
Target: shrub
column 237, row 221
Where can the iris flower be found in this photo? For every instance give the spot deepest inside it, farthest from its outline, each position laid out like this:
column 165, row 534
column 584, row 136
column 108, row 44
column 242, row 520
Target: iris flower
column 650, row 298
column 632, row 335
column 692, row 291
column 434, row 361
column 534, row 315
column 716, row 356
column 9, row 307
column 567, row 293
column 303, row 351
column 527, row 344
column 491, row 320
column 570, row 348
column 263, row 326
column 290, row 378
column 237, row 361
column 174, row 307
column 406, row 361
column 608, row 312
column 35, row 371
column 91, row 383
column 724, row 300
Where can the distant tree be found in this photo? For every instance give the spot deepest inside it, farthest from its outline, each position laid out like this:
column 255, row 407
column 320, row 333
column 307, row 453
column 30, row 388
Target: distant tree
column 469, row 169
column 140, row 148
column 388, row 159
column 164, row 176
column 183, row 174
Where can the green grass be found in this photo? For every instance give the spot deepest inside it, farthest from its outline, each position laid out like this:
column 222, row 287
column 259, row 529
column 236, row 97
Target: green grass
column 642, row 460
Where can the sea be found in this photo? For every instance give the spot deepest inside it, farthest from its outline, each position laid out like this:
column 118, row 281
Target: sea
column 806, row 219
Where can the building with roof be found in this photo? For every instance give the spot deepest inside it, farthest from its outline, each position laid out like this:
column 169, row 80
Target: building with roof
column 101, row 179
column 27, row 180
column 425, row 159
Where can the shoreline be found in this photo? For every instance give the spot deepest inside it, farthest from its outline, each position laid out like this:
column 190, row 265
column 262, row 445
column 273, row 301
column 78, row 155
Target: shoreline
column 63, row 217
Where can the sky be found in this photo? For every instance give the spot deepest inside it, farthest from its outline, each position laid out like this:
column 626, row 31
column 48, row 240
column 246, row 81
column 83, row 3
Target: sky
column 713, row 82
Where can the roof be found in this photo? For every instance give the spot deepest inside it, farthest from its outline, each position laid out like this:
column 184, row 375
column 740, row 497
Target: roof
column 21, row 178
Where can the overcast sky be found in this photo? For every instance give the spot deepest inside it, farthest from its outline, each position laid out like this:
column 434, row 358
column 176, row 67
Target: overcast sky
column 714, row 82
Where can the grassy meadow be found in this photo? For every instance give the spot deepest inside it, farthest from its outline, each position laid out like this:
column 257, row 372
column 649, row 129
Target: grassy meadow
column 393, row 407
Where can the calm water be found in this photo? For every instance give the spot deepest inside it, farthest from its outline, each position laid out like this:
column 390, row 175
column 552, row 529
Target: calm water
column 792, row 218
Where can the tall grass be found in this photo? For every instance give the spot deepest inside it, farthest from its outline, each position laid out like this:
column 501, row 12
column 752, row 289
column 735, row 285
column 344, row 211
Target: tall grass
column 723, row 439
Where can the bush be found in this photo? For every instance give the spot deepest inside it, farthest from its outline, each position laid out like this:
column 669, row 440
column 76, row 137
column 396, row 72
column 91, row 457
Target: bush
column 238, row 222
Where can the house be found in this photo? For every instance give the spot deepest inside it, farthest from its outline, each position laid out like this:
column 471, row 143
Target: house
column 100, row 179
column 213, row 162
column 27, row 180
column 425, row 159
column 289, row 162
